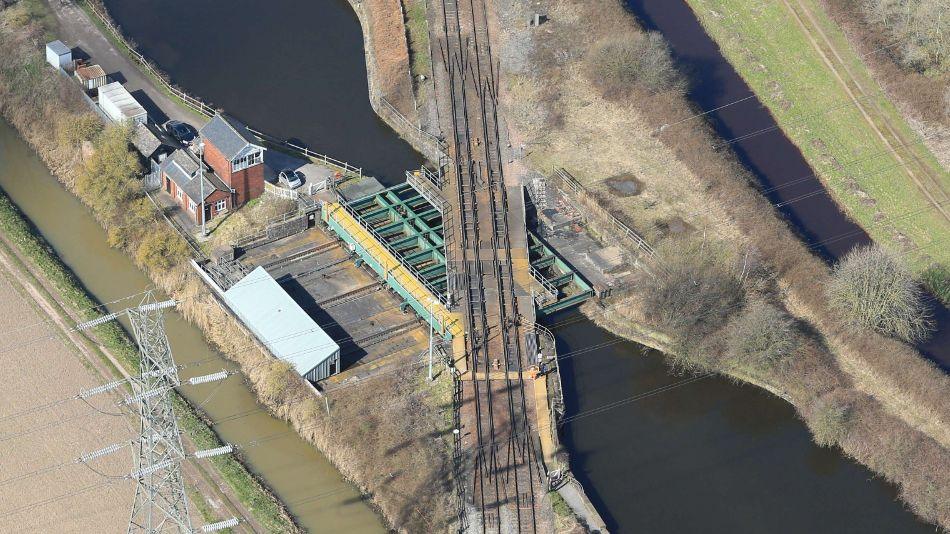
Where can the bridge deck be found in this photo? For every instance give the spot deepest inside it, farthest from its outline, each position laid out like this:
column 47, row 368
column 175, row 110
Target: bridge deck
column 486, row 247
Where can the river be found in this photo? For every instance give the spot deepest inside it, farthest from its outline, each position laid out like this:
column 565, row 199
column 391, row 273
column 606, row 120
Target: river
column 299, row 475
column 770, row 155
column 710, row 456
column 291, row 69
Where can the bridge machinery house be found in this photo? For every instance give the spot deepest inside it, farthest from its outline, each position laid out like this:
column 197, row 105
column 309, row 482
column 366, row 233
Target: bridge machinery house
column 231, row 150
column 180, row 179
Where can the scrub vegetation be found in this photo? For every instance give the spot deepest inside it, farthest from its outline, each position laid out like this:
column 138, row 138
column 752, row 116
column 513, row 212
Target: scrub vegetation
column 397, row 452
column 731, row 289
column 873, row 289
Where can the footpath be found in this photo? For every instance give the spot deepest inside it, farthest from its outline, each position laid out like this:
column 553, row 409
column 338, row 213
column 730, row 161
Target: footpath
column 77, row 29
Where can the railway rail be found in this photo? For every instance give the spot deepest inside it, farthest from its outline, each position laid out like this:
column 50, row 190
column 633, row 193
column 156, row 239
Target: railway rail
column 502, row 478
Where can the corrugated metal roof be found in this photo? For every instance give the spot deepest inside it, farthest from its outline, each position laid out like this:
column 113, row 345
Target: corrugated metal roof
column 90, row 72
column 58, row 47
column 120, row 97
column 227, row 134
column 279, row 322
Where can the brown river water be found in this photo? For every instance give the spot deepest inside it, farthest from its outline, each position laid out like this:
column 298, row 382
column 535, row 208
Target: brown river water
column 313, row 489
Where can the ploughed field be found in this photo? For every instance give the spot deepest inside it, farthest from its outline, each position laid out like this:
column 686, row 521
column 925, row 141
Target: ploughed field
column 40, row 368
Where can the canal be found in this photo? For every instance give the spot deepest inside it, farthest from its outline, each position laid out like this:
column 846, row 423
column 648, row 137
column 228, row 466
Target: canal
column 710, row 456
column 763, row 147
column 313, row 489
column 289, row 68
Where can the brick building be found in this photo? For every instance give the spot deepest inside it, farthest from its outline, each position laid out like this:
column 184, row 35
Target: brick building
column 179, row 178
column 230, row 149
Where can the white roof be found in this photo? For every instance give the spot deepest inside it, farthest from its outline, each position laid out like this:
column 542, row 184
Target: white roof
column 117, row 94
column 279, row 322
column 58, row 48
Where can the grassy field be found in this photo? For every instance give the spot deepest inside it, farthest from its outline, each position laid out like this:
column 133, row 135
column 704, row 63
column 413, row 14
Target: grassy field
column 801, row 66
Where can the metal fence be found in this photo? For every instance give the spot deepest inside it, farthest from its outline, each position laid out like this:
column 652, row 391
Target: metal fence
column 566, row 180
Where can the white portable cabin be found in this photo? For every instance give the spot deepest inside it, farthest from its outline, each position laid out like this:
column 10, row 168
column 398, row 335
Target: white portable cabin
column 59, row 55
column 119, row 105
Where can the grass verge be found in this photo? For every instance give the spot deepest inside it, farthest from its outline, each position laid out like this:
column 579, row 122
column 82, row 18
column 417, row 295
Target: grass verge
column 871, row 179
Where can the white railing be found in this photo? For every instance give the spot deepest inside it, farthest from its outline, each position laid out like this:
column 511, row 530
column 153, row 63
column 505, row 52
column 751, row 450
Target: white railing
column 280, row 192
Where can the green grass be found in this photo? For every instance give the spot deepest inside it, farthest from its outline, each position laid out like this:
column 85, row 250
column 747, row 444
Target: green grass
column 765, row 44
column 560, row 505
column 43, row 258
column 417, row 30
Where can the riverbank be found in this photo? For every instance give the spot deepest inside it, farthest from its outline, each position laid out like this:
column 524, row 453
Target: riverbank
column 108, row 352
column 876, row 398
column 401, row 473
column 875, row 165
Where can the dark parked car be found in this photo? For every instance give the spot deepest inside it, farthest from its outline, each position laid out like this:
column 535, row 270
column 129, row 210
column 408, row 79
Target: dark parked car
column 181, row 131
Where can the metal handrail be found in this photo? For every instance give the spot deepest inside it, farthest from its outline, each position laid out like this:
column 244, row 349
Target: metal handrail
column 619, row 225
column 402, row 260
column 423, row 189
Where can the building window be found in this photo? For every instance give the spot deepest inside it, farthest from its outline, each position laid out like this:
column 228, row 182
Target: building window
column 178, row 193
column 247, row 161
column 191, row 205
column 220, row 205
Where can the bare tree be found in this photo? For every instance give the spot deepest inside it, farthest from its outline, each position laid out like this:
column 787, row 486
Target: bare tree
column 873, row 289
column 921, row 29
column 761, row 337
column 695, row 291
column 619, row 64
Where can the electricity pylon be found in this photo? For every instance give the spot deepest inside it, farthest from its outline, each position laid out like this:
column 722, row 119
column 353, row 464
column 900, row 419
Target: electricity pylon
column 160, row 504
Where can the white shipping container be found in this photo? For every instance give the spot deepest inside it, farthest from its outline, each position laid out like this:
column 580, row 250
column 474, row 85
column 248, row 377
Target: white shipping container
column 119, row 105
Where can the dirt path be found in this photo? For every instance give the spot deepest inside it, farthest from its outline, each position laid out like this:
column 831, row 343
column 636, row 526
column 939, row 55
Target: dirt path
column 216, row 492
column 924, row 178
column 79, row 30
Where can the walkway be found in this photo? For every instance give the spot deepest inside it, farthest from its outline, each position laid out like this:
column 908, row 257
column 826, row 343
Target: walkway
column 78, row 30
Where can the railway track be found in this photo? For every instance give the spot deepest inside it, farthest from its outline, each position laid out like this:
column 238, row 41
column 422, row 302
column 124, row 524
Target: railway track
column 502, row 480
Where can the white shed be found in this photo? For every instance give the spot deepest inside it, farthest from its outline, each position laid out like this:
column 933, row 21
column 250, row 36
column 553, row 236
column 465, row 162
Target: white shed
column 283, row 326
column 59, row 55
column 119, row 105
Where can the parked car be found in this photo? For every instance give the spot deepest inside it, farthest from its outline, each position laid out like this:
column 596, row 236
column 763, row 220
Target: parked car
column 181, row 131
column 291, row 178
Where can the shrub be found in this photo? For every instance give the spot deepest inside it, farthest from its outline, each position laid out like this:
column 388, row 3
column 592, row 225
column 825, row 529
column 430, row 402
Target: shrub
column 937, row 281
column 617, row 65
column 921, row 27
column 873, row 289
column 761, row 337
column 694, row 291
column 831, row 418
column 161, row 249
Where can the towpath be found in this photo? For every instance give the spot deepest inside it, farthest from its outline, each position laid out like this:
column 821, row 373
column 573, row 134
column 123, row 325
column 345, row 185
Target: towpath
column 77, row 29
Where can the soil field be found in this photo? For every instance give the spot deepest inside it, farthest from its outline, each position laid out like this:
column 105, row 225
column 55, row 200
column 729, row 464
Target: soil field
column 41, row 368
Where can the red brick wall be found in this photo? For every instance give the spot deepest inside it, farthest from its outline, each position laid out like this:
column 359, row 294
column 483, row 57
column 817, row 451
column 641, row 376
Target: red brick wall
column 210, row 201
column 220, row 164
column 248, row 183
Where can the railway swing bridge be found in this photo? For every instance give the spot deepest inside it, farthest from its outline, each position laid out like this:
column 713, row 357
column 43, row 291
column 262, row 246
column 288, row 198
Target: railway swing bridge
column 458, row 252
